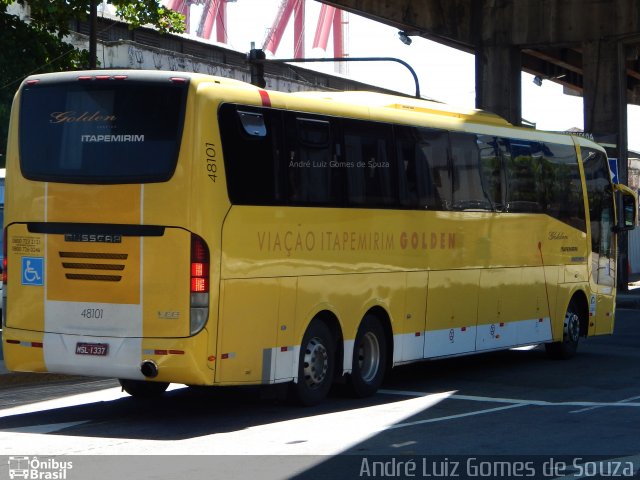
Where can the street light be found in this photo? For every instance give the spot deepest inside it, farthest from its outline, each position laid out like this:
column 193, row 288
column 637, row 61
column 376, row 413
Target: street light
column 404, row 37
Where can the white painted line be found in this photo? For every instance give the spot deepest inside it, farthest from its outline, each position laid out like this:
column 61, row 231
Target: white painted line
column 409, row 393
column 518, row 401
column 453, row 417
column 544, row 403
column 405, row 444
column 626, row 401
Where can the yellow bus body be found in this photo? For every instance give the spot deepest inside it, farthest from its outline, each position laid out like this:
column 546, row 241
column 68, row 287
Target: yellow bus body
column 442, row 283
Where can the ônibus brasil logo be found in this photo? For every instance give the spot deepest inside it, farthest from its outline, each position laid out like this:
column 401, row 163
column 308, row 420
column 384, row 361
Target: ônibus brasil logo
column 38, row 469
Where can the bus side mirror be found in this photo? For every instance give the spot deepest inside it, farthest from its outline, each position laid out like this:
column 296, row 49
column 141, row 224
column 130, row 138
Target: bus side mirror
column 627, row 201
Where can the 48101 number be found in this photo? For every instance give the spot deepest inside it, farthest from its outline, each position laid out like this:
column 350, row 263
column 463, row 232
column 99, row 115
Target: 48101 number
column 212, row 165
column 92, row 313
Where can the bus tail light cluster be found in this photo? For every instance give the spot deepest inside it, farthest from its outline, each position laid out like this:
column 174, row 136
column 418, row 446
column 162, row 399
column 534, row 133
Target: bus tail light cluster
column 4, row 257
column 199, row 284
column 4, row 278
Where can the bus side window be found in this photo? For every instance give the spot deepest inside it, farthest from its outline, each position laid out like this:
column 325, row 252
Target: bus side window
column 523, row 170
column 369, row 164
column 468, row 188
column 311, row 180
column 491, row 172
column 425, row 175
column 251, row 147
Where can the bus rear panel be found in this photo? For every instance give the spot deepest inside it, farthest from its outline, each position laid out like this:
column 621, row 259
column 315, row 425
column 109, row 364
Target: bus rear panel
column 100, row 282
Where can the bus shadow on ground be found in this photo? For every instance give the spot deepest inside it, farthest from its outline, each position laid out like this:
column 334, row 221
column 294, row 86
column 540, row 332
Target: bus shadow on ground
column 193, row 412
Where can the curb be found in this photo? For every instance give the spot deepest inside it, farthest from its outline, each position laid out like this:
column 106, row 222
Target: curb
column 14, row 379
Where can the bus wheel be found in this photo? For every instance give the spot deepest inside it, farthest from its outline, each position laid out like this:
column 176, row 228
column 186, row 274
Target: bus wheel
column 369, row 358
column 315, row 365
column 571, row 334
column 143, row 389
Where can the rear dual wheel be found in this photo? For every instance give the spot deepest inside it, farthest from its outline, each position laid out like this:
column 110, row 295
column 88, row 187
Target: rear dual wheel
column 369, row 358
column 316, row 365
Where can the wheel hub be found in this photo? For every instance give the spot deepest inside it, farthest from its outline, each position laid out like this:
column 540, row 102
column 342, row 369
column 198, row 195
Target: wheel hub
column 316, row 363
column 369, row 357
column 572, row 327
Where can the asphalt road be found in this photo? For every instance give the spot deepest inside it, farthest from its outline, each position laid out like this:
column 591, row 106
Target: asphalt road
column 515, row 407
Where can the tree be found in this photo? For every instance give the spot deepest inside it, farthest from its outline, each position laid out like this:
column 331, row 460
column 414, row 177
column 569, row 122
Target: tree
column 38, row 47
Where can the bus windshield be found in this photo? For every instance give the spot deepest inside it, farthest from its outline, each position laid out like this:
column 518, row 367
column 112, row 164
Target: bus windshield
column 112, row 131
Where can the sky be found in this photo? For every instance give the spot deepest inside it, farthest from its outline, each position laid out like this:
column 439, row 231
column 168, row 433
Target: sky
column 445, row 74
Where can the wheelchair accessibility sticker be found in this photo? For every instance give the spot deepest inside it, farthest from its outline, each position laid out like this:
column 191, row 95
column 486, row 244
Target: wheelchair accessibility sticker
column 33, row 271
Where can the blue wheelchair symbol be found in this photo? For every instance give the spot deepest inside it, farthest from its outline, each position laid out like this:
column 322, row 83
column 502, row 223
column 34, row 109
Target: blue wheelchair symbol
column 33, row 271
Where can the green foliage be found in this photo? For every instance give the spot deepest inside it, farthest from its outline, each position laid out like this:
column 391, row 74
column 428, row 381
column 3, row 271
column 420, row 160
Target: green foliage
column 37, row 47
column 25, row 49
column 54, row 16
column 141, row 12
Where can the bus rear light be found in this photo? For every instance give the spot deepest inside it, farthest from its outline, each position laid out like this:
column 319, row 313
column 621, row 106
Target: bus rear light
column 4, row 257
column 178, row 79
column 197, row 269
column 199, row 284
column 87, row 78
column 32, row 82
column 199, row 265
column 4, row 277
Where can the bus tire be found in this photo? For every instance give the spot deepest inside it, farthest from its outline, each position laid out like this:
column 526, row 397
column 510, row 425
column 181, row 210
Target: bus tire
column 369, row 358
column 142, row 388
column 315, row 365
column 568, row 347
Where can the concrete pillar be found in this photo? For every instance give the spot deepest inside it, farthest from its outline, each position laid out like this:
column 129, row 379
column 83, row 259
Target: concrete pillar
column 498, row 82
column 605, row 114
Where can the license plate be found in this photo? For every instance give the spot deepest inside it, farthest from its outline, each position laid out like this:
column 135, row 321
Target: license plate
column 97, row 349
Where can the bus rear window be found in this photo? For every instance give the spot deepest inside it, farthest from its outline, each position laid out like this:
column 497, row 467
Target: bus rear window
column 101, row 131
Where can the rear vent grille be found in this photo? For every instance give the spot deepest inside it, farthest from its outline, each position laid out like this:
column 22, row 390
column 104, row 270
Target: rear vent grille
column 101, row 267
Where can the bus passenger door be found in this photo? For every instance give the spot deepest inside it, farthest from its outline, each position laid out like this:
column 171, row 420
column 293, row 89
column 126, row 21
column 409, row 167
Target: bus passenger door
column 604, row 269
column 452, row 313
column 603, row 240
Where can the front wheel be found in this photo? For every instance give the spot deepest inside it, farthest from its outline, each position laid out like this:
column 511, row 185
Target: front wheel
column 369, row 358
column 568, row 347
column 315, row 365
column 142, row 388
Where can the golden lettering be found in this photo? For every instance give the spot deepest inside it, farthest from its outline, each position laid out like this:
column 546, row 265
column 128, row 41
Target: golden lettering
column 74, row 117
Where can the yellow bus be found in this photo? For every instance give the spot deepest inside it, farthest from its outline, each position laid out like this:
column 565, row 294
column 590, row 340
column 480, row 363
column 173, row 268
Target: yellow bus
column 174, row 227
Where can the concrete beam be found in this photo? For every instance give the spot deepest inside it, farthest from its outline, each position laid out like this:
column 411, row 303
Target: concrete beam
column 445, row 21
column 525, row 23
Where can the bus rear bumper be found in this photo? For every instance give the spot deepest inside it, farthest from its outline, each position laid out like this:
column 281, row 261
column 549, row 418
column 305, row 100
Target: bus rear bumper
column 179, row 360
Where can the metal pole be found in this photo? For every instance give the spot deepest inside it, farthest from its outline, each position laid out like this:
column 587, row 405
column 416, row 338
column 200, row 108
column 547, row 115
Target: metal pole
column 93, row 34
column 350, row 59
